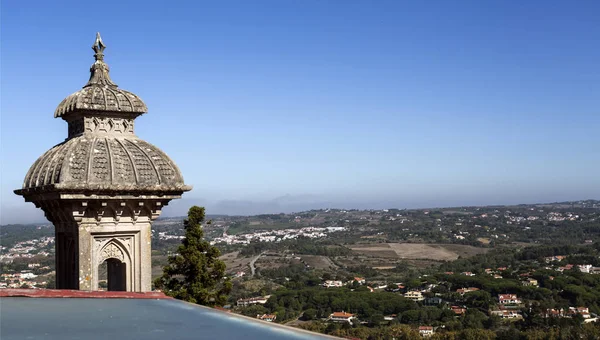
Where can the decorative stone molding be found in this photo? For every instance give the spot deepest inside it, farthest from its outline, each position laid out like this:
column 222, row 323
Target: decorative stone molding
column 113, row 125
column 111, row 251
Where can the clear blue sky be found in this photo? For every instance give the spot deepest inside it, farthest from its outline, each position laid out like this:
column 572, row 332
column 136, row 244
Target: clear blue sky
column 286, row 105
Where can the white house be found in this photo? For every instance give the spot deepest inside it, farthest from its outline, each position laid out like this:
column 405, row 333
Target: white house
column 585, row 268
column 28, row 275
column 426, row 330
column 509, row 299
column 342, row 317
column 414, row 295
column 267, row 317
column 507, row 314
column 360, row 280
column 330, row 283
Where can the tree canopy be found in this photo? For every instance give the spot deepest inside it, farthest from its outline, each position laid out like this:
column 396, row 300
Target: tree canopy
column 195, row 274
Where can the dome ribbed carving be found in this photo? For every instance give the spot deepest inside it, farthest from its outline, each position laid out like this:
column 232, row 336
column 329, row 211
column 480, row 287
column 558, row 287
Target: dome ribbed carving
column 105, row 163
column 101, row 98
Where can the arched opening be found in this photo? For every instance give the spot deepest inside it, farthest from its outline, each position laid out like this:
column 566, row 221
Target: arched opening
column 112, row 275
column 114, row 268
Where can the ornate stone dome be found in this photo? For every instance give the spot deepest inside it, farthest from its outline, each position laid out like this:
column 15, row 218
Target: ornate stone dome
column 102, row 153
column 104, row 163
column 100, row 94
column 101, row 98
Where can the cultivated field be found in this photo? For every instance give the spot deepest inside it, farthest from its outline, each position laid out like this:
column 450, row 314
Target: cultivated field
column 235, row 263
column 414, row 251
column 318, row 262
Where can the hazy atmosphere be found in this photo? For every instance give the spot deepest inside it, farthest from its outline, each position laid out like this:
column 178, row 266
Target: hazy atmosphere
column 305, row 105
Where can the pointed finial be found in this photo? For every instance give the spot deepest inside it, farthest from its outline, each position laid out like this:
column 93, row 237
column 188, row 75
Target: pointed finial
column 99, row 70
column 98, row 47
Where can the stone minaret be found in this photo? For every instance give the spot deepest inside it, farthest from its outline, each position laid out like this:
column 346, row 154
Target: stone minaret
column 102, row 187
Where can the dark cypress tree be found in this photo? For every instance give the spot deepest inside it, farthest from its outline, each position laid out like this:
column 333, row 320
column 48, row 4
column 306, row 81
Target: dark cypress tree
column 195, row 274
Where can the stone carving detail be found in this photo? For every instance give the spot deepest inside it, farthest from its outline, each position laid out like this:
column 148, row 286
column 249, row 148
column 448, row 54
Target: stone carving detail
column 128, row 125
column 32, row 181
column 79, row 160
column 88, row 123
column 112, row 125
column 100, row 164
column 57, row 167
column 98, row 243
column 104, row 160
column 122, row 164
column 111, row 251
column 145, row 170
column 126, row 242
column 100, row 124
column 98, row 98
column 164, row 167
column 44, row 169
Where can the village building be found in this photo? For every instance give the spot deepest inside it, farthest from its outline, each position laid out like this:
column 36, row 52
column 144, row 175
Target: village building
column 567, row 267
column 341, row 317
column 414, row 295
column 508, row 299
column 569, row 313
column 583, row 311
column 267, row 317
column 554, row 313
column 360, row 280
column 426, row 331
column 332, row 284
column 507, row 314
column 530, row 282
column 585, row 268
column 458, row 310
column 434, row 300
column 557, row 258
column 463, row 291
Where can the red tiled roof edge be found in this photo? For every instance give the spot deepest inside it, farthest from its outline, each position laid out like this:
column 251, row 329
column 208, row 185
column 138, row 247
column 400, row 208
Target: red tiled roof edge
column 68, row 293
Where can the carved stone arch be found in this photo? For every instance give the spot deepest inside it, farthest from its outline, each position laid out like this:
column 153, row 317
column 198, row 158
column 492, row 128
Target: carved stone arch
column 118, row 256
column 114, row 249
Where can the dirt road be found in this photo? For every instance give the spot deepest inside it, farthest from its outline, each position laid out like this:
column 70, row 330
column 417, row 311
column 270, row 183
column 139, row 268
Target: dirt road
column 252, row 268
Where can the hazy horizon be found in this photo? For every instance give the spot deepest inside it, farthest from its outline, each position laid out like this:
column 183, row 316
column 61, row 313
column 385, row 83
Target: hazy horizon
column 269, row 106
column 28, row 214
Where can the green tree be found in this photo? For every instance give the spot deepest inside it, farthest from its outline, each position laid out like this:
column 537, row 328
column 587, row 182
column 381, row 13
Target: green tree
column 195, row 274
column 309, row 314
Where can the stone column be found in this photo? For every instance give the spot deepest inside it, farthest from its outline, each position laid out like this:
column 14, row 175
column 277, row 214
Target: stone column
column 86, row 262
